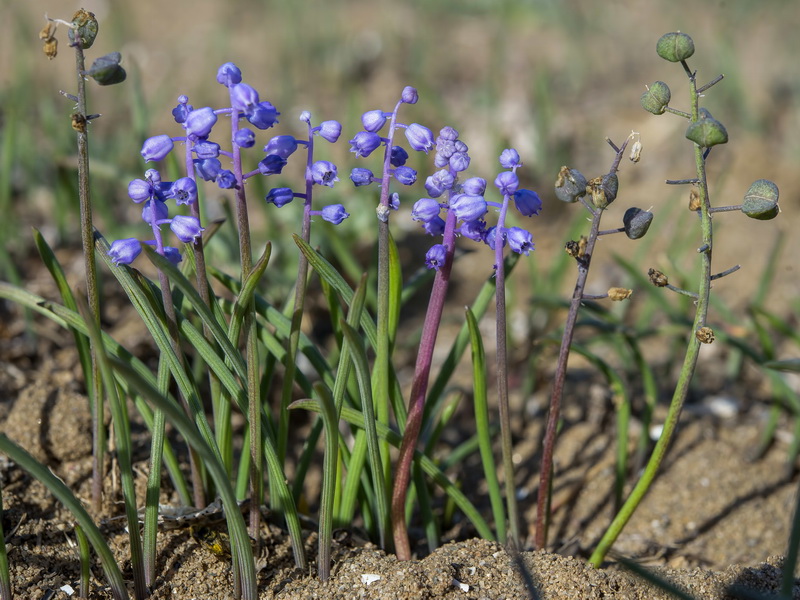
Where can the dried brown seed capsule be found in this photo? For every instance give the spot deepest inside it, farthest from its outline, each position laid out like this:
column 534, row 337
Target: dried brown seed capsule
column 603, row 189
column 86, row 28
column 656, row 98
column 570, row 185
column 636, row 222
column 79, row 123
column 761, row 200
column 705, row 335
column 576, row 249
column 657, row 278
column 50, row 48
column 617, row 293
column 694, row 200
column 675, row 46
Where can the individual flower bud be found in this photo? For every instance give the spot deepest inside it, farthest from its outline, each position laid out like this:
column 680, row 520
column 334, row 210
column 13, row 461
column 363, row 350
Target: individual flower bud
column 656, row 98
column 199, row 122
column 440, row 161
column 459, row 162
column 124, row 252
column 140, row 190
column 106, row 70
column 445, row 147
column 657, row 278
column 694, row 200
column 156, row 148
column 184, row 190
column 154, row 211
column 209, row 169
column 226, row 180
column 399, row 156
column 173, row 255
column 490, row 238
column 675, row 47
column 519, row 240
column 187, row 229
column 425, row 209
column 405, row 175
column 448, row 133
column 86, row 27
column 419, row 137
column 440, row 181
column 182, row 110
column 636, row 222
column 705, row 335
column 394, row 201
column 617, row 294
column 436, row 256
column 460, row 146
column 229, row 74
column 707, row 132
column 509, row 158
column 271, row 165
column 206, row 149
column 474, row 186
column 409, row 95
column 603, row 189
column 280, row 196
column 244, row 138
column 507, row 182
column 263, row 116
column 334, row 213
column 473, row 230
column 373, row 120
column 434, row 227
column 330, row 131
column 282, row 145
column 305, row 117
column 323, row 172
column 468, row 208
column 761, row 200
column 244, row 97
column 570, row 185
column 361, row 176
column 527, row 202
column 364, row 143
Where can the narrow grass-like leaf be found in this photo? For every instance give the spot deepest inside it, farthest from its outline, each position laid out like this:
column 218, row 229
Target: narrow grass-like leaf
column 124, row 451
column 329, row 463
column 67, row 498
column 789, row 365
column 482, row 426
column 85, row 558
column 236, row 527
column 5, row 576
column 359, row 358
column 356, row 418
column 792, row 551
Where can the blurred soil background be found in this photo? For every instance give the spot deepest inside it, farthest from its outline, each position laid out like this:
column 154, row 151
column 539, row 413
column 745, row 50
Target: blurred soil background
column 551, row 79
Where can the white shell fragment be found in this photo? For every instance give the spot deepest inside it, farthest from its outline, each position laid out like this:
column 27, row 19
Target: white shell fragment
column 67, row 589
column 368, row 578
column 462, row 586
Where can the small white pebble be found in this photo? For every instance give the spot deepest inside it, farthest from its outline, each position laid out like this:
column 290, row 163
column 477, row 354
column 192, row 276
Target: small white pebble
column 368, row 578
column 705, row 481
column 655, row 431
column 471, row 570
column 67, row 589
column 463, row 586
column 723, row 407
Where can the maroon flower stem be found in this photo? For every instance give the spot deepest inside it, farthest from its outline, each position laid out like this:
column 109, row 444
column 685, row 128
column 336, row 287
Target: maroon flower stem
column 419, row 387
column 546, row 473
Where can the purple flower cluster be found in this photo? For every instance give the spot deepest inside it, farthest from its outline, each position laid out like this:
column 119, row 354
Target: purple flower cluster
column 366, row 142
column 466, row 200
column 154, row 193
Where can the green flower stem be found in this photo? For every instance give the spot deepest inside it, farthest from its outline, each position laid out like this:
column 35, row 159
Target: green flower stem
column 83, row 552
column 90, row 267
column 584, row 262
column 689, row 362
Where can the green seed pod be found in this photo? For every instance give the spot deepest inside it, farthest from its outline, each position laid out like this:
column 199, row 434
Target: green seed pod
column 761, row 200
column 707, row 132
column 636, row 222
column 86, row 28
column 570, row 185
column 675, row 46
column 106, row 70
column 656, row 99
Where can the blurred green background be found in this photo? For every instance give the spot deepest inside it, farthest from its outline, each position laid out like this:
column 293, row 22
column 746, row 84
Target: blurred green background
column 549, row 78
